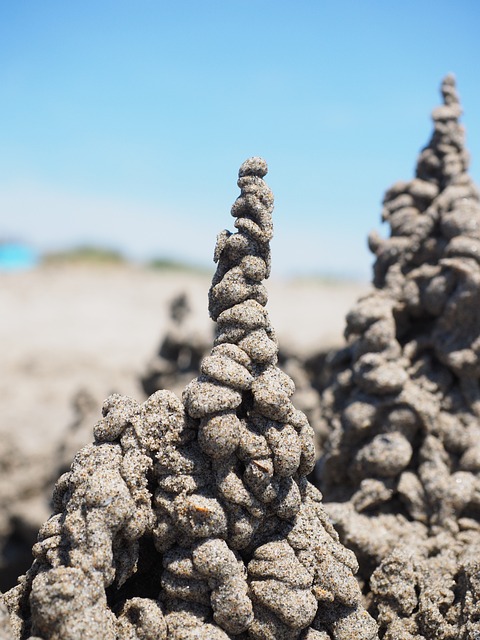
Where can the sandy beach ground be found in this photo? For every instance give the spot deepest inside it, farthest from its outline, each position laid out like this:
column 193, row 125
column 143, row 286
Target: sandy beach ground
column 63, row 328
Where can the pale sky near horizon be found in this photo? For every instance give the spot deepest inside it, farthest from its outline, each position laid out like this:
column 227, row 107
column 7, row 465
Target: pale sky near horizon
column 123, row 123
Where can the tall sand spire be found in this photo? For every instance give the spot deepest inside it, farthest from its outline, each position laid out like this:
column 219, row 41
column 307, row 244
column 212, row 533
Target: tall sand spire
column 401, row 472
column 196, row 520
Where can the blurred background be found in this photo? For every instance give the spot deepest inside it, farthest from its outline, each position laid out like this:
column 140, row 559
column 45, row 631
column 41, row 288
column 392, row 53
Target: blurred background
column 122, row 127
column 123, row 123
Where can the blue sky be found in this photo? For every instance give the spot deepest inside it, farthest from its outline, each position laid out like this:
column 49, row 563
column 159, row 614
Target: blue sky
column 123, row 123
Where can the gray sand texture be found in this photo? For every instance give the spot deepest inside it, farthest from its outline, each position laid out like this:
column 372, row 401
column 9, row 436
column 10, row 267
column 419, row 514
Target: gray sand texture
column 195, row 519
column 400, row 472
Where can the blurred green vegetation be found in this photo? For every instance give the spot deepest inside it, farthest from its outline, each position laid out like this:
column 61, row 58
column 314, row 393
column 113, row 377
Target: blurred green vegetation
column 84, row 254
column 168, row 264
column 96, row 255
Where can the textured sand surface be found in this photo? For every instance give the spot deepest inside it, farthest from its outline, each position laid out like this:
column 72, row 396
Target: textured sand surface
column 206, row 498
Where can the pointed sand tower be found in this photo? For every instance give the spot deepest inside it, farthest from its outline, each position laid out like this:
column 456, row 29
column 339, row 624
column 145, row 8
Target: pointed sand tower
column 196, row 520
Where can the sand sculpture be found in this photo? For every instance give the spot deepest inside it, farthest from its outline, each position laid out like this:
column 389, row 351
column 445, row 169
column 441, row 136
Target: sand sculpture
column 195, row 519
column 401, row 471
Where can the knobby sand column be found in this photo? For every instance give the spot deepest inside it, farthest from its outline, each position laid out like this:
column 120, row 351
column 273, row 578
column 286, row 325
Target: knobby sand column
column 402, row 466
column 196, row 520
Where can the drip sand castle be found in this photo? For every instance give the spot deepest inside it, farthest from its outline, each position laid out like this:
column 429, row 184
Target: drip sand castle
column 401, row 469
column 194, row 518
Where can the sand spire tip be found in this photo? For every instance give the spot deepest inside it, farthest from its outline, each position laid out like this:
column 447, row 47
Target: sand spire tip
column 449, row 89
column 253, row 167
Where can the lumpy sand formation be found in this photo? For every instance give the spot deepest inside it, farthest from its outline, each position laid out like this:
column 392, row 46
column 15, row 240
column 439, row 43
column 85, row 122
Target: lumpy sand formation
column 401, row 468
column 195, row 519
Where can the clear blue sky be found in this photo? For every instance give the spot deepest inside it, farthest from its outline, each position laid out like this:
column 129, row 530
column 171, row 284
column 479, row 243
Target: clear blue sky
column 124, row 122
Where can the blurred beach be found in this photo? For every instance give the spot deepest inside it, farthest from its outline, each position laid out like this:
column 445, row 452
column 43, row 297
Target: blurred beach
column 68, row 327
